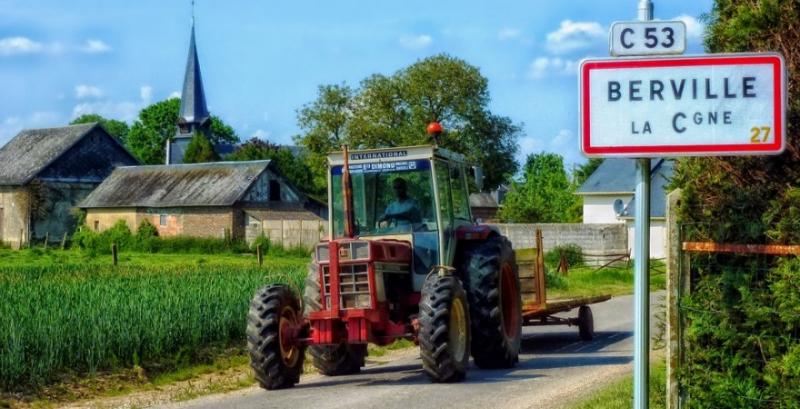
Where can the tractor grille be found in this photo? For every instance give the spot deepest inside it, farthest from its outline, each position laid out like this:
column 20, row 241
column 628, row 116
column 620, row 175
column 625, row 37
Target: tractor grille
column 353, row 286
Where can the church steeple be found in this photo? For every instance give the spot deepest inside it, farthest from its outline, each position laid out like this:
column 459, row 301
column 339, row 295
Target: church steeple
column 193, row 116
column 193, row 99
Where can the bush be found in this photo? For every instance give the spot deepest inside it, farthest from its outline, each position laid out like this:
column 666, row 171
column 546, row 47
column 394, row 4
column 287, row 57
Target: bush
column 572, row 252
column 262, row 241
column 146, row 231
column 554, row 281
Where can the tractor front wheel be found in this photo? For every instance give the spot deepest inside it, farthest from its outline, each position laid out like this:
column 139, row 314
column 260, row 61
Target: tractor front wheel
column 444, row 329
column 273, row 325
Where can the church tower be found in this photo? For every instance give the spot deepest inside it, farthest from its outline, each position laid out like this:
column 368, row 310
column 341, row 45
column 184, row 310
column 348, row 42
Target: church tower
column 193, row 115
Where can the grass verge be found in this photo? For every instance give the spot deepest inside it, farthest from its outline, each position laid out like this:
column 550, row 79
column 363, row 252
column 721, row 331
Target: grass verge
column 587, row 281
column 619, row 394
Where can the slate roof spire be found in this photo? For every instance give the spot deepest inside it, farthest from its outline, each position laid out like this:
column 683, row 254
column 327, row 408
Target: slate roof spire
column 193, row 99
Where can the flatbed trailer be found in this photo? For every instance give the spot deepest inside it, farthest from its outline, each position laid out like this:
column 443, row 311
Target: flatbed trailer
column 537, row 310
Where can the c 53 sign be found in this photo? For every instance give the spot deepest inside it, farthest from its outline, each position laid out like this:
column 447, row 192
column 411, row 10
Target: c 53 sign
column 721, row 104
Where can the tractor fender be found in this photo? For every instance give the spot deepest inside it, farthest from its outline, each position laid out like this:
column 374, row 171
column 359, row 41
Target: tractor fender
column 476, row 232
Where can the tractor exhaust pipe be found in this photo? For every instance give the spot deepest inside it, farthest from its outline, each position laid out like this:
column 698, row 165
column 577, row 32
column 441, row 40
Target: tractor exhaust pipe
column 347, row 195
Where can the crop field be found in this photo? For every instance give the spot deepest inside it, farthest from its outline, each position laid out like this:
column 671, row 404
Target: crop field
column 69, row 316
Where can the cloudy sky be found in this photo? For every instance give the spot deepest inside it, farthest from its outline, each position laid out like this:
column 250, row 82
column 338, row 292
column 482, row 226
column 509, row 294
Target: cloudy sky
column 262, row 60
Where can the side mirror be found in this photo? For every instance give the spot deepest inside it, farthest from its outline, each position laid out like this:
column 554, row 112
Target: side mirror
column 477, row 174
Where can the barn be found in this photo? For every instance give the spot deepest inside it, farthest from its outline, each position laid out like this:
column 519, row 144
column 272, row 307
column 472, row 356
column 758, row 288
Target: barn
column 217, row 199
column 45, row 172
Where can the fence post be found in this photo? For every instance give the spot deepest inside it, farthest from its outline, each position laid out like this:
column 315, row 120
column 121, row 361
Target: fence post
column 64, row 241
column 20, row 239
column 283, row 233
column 114, row 253
column 539, row 271
column 259, row 255
column 673, row 340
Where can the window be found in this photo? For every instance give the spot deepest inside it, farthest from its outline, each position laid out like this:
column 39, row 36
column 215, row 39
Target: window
column 460, row 194
column 97, row 225
column 274, row 191
column 162, row 220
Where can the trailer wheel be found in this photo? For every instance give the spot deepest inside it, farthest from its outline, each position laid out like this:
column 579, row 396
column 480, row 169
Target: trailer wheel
column 272, row 327
column 585, row 323
column 444, row 329
column 330, row 360
column 495, row 303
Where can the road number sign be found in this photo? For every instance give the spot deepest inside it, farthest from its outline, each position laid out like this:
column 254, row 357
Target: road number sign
column 720, row 104
column 647, row 37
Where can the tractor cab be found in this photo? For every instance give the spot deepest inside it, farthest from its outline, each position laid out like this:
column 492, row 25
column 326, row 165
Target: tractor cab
column 414, row 194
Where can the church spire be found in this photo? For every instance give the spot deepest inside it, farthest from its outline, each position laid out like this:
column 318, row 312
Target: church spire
column 194, row 111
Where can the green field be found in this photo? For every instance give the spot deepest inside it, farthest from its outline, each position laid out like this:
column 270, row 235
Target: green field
column 65, row 314
column 619, row 394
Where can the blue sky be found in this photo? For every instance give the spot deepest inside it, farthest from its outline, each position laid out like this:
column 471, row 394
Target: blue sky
column 262, row 60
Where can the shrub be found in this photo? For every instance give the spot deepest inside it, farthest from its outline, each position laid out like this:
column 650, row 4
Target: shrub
column 554, row 281
column 146, row 231
column 572, row 252
column 262, row 241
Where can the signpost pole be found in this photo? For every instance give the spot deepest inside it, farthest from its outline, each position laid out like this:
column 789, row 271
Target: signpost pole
column 641, row 249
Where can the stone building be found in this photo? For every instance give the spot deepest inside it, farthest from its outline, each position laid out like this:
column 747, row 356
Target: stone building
column 44, row 173
column 218, row 199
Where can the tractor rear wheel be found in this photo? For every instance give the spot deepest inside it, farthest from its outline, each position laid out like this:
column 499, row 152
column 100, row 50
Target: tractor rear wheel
column 330, row 360
column 495, row 303
column 444, row 329
column 273, row 324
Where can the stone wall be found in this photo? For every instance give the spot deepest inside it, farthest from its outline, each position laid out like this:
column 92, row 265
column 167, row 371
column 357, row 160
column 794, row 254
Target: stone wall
column 102, row 219
column 596, row 240
column 57, row 213
column 14, row 215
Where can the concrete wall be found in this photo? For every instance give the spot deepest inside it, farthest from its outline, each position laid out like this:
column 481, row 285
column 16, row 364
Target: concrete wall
column 594, row 239
column 600, row 208
column 14, row 215
column 289, row 233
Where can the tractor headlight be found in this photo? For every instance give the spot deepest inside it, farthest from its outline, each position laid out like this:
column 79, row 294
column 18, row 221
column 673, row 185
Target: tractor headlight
column 323, row 253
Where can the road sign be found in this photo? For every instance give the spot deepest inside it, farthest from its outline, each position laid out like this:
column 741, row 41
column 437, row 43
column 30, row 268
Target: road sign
column 647, row 38
column 720, row 104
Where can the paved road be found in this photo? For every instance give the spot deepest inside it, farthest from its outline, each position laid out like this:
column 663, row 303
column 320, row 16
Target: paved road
column 555, row 366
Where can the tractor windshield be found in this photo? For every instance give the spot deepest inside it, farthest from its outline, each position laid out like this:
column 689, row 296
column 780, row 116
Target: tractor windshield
column 388, row 198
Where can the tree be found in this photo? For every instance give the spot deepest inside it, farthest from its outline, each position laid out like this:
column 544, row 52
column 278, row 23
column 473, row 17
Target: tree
column 292, row 167
column 543, row 195
column 395, row 110
column 584, row 171
column 742, row 321
column 157, row 123
column 115, row 128
column 199, row 150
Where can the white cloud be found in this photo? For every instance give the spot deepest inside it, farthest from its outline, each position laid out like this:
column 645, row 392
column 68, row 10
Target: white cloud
column 574, row 35
column 93, row 46
column 146, row 93
column 87, row 91
column 124, row 111
column 563, row 138
column 527, row 146
column 544, row 66
column 11, row 126
column 416, row 42
column 261, row 134
column 19, row 45
column 508, row 33
column 695, row 29
column 174, row 94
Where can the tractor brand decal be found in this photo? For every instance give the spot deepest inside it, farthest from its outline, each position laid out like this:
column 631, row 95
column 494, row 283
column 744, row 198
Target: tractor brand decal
column 378, row 155
column 399, row 166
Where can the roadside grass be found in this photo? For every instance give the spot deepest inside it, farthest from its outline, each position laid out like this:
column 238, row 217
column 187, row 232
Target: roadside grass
column 619, row 394
column 588, row 281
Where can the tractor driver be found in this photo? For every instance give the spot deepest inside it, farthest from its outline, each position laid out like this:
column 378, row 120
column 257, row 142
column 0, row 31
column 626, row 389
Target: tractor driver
column 404, row 211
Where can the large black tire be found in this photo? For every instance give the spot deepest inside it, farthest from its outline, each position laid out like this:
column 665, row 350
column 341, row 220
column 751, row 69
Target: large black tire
column 496, row 318
column 274, row 309
column 585, row 323
column 444, row 329
column 330, row 360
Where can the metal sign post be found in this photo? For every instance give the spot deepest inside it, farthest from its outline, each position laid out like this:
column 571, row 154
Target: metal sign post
column 641, row 267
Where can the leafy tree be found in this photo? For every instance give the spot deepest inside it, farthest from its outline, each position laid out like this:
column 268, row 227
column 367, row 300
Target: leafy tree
column 115, row 128
column 292, row 167
column 199, row 150
column 395, row 110
column 584, row 171
column 157, row 123
column 543, row 195
column 742, row 313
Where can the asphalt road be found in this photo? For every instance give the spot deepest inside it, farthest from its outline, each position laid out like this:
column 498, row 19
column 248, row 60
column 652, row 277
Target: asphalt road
column 555, row 367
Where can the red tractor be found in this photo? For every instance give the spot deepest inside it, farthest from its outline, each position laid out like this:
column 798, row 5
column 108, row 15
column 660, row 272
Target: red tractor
column 406, row 261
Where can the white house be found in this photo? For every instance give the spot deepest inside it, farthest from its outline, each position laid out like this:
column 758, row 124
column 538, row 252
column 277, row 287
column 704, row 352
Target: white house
column 608, row 198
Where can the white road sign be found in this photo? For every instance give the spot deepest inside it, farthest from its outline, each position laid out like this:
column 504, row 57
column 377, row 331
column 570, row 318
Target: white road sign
column 720, row 104
column 647, row 38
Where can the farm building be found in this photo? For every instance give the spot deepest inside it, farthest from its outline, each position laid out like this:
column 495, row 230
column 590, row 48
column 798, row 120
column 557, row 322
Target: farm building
column 484, row 207
column 44, row 173
column 218, row 199
column 608, row 198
